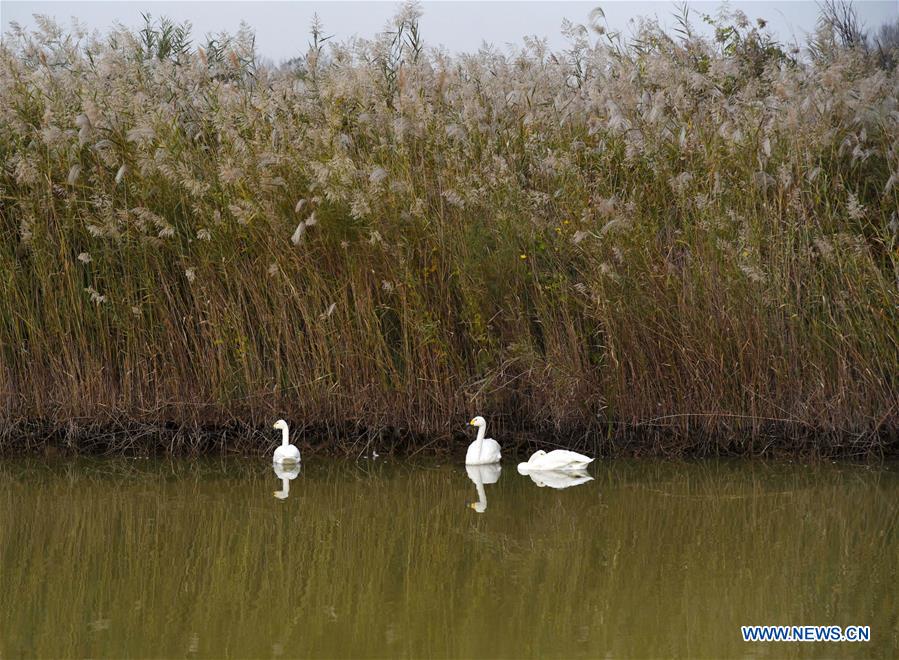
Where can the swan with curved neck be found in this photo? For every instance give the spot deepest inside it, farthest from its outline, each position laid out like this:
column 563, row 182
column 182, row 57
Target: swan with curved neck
column 286, row 453
column 483, row 451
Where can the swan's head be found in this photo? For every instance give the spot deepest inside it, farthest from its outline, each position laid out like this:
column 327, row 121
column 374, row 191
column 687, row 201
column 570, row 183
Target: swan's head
column 281, row 425
column 478, row 507
column 478, row 421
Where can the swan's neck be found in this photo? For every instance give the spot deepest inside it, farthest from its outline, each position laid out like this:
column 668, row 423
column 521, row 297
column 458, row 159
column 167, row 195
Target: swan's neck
column 285, row 437
column 482, row 431
column 285, row 486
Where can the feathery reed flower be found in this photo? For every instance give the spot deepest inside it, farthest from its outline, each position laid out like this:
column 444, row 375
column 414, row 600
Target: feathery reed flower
column 328, row 312
column 854, row 209
column 753, row 273
column 297, row 236
column 95, row 296
column 74, row 172
column 377, row 175
column 140, row 134
column 453, row 198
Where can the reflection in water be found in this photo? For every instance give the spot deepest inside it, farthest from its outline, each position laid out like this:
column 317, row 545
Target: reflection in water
column 150, row 558
column 286, row 472
column 480, row 475
column 557, row 479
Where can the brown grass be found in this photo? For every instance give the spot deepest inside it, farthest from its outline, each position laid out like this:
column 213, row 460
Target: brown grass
column 664, row 245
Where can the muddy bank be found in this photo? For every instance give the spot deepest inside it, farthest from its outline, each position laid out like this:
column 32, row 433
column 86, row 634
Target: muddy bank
column 350, row 440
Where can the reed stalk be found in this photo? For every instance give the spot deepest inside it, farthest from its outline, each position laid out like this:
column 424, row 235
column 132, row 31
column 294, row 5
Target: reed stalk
column 659, row 243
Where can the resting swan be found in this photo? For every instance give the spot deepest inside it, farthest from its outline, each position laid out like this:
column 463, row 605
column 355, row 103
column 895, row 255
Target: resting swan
column 558, row 459
column 286, row 453
column 483, row 451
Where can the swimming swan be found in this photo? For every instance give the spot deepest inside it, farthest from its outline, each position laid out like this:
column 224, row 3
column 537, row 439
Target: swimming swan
column 558, row 459
column 286, row 473
column 557, row 479
column 286, row 453
column 480, row 475
column 483, row 451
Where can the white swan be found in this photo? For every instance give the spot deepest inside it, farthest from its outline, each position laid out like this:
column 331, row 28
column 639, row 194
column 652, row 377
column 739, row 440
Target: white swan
column 480, row 475
column 286, row 453
column 286, row 473
column 558, row 459
column 557, row 479
column 482, row 451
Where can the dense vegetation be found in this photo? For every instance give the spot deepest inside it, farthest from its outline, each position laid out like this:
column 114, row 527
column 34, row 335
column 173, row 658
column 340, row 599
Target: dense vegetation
column 661, row 242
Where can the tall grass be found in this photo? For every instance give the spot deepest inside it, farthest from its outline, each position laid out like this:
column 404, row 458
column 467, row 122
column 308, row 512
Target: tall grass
column 674, row 240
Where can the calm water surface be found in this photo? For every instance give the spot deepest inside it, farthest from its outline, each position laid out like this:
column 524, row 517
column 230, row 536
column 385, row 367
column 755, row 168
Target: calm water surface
column 162, row 558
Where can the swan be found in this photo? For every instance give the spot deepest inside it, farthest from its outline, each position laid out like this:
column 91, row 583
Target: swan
column 286, row 473
column 286, row 453
column 558, row 459
column 557, row 479
column 482, row 451
column 480, row 475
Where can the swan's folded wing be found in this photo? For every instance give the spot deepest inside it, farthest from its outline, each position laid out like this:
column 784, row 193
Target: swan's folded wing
column 563, row 459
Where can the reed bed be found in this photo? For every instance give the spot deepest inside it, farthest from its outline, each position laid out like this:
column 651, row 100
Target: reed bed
column 649, row 242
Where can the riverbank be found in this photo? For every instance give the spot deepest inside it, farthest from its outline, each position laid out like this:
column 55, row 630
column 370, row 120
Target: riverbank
column 350, row 440
column 675, row 244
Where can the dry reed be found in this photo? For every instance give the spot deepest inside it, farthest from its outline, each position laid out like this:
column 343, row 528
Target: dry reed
column 656, row 244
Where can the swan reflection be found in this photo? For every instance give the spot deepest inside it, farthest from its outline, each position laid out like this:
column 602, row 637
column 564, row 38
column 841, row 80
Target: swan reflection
column 480, row 475
column 556, row 478
column 286, row 473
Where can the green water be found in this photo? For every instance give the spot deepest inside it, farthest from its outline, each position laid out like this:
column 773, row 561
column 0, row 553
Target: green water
column 158, row 558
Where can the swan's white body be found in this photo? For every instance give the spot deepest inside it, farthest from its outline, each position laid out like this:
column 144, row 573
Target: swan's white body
column 558, row 459
column 483, row 451
column 286, row 473
column 480, row 475
column 286, row 453
column 558, row 479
